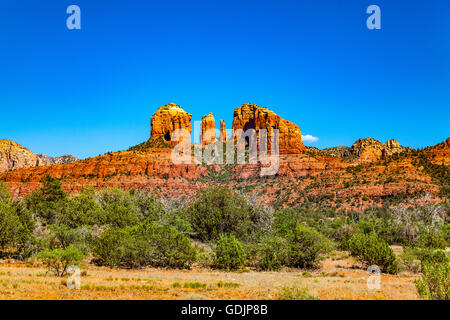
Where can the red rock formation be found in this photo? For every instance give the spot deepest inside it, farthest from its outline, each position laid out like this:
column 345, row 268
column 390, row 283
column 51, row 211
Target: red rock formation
column 167, row 119
column 250, row 116
column 223, row 132
column 208, row 129
column 371, row 150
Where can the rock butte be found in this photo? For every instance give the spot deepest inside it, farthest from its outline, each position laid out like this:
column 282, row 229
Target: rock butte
column 371, row 150
column 170, row 117
column 167, row 119
column 250, row 116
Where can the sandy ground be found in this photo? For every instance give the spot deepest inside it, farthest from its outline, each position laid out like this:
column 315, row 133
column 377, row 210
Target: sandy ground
column 338, row 278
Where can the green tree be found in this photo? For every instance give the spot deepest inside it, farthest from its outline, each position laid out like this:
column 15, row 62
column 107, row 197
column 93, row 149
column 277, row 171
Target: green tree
column 59, row 260
column 220, row 211
column 120, row 207
column 373, row 250
column 83, row 209
column 48, row 202
column 306, row 246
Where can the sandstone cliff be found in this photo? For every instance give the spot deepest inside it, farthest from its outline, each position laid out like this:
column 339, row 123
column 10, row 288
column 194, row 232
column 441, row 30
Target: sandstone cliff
column 250, row 116
column 14, row 156
column 208, row 129
column 223, row 132
column 371, row 150
column 167, row 119
column 366, row 150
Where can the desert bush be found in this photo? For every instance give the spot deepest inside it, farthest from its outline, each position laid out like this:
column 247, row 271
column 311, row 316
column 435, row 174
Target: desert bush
column 435, row 282
column 220, row 211
column 120, row 208
column 146, row 244
column 62, row 236
column 410, row 260
column 373, row 250
column 58, row 260
column 15, row 236
column 83, row 209
column 433, row 256
column 47, row 202
column 306, row 247
column 343, row 234
column 229, row 254
column 269, row 254
column 149, row 206
column 432, row 239
column 295, row 293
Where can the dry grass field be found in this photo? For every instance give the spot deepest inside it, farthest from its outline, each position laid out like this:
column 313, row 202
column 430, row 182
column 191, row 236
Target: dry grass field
column 338, row 278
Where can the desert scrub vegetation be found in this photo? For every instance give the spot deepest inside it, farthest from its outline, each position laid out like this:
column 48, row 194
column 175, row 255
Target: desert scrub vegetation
column 435, row 282
column 229, row 254
column 218, row 228
column 295, row 293
column 146, row 244
column 373, row 250
column 59, row 260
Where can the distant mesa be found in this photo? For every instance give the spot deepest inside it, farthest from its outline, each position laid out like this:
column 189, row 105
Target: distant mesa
column 14, row 156
column 367, row 150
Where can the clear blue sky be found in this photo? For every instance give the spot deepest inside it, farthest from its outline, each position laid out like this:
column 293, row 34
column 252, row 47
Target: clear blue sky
column 90, row 91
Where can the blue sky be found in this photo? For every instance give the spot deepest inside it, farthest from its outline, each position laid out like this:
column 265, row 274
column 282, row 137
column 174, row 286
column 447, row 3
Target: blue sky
column 90, row 91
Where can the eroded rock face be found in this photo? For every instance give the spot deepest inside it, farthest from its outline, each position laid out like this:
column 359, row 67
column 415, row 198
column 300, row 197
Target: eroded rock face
column 167, row 119
column 250, row 116
column 208, row 129
column 223, row 132
column 340, row 152
column 45, row 160
column 14, row 156
column 371, row 150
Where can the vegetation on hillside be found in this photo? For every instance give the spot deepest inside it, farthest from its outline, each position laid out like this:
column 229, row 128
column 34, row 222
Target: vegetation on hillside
column 220, row 228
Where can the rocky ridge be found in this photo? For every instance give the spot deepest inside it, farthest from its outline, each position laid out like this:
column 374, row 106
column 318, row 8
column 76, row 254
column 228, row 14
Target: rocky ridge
column 13, row 156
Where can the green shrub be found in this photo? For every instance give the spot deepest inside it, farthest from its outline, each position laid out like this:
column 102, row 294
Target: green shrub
column 48, row 202
column 146, row 244
column 220, row 211
column 433, row 257
column 435, row 282
column 58, row 260
column 16, row 237
column 120, row 208
column 83, row 209
column 373, row 250
column 343, row 234
column 229, row 254
column 62, row 236
column 306, row 247
column 410, row 260
column 432, row 240
column 269, row 254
